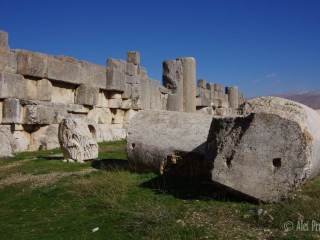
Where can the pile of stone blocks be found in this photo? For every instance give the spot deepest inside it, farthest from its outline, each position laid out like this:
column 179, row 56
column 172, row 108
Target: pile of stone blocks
column 215, row 99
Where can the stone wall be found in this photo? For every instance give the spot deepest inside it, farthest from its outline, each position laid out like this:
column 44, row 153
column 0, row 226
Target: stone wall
column 38, row 90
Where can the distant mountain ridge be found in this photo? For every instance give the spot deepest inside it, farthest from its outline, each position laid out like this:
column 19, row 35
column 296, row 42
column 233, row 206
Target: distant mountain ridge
column 310, row 98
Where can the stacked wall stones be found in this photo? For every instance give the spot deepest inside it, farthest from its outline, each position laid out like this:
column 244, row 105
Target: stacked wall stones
column 216, row 99
column 38, row 90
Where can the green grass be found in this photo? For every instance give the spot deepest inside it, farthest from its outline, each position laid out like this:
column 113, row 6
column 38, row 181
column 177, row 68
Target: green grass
column 127, row 205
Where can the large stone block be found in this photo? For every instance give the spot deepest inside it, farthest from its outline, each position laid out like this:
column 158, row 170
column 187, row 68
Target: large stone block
column 8, row 61
column 127, row 91
column 93, row 74
column 44, row 114
column 12, row 85
column 154, row 136
column 117, row 116
column 155, row 95
column 45, row 138
column 4, row 40
column 233, row 97
column 44, row 90
column 115, row 103
column 65, row 69
column 126, row 104
column 6, row 140
column 21, row 141
column 87, row 95
column 100, row 115
column 133, row 57
column 145, row 93
column 115, row 79
column 62, row 93
column 268, row 152
column 189, row 84
column 32, row 64
column 131, row 69
column 77, row 140
column 12, row 111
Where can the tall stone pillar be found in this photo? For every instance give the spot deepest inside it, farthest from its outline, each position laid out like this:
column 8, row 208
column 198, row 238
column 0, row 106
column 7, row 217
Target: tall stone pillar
column 189, row 84
column 180, row 77
column 233, row 96
column 173, row 79
column 4, row 40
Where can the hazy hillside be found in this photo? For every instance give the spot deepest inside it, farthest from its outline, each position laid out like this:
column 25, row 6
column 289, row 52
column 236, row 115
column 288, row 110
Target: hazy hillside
column 311, row 99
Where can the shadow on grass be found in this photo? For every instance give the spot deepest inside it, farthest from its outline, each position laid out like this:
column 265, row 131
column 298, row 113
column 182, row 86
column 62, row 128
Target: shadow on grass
column 110, row 164
column 193, row 189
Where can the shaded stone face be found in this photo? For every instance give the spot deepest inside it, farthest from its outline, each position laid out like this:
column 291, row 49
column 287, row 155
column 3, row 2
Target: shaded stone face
column 77, row 140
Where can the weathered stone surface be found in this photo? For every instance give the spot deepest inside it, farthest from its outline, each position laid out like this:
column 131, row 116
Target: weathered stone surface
column 8, row 61
column 233, row 97
column 115, row 103
column 44, row 114
column 77, row 140
column 115, row 80
column 44, row 90
column 155, row 135
column 64, row 69
column 172, row 78
column 12, row 85
column 103, row 99
column 133, row 57
column 126, row 104
column 131, row 69
column 62, row 93
column 12, row 111
column 128, row 115
column 87, row 95
column 269, row 151
column 4, row 40
column 32, row 63
column 127, row 91
column 6, row 140
column 189, row 84
column 45, row 138
column 21, row 141
column 31, row 90
column 145, row 93
column 117, row 116
column 93, row 74
column 155, row 98
column 100, row 115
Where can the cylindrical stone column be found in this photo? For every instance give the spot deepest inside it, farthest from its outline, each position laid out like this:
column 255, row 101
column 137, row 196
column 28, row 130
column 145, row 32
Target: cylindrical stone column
column 189, row 84
column 233, row 96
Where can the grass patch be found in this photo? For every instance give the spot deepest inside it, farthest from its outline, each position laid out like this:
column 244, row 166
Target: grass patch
column 105, row 195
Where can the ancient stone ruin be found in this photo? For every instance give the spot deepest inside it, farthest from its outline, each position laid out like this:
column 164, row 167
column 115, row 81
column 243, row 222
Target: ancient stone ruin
column 77, row 140
column 38, row 91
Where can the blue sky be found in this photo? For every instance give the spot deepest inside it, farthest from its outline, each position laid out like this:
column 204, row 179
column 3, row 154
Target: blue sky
column 262, row 46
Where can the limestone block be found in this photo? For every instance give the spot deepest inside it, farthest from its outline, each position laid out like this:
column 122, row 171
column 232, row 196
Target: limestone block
column 76, row 108
column 131, row 69
column 164, row 101
column 268, row 152
column 128, row 115
column 153, row 136
column 21, row 141
column 6, row 140
column 117, row 116
column 8, row 61
column 64, row 69
column 127, row 91
column 62, row 94
column 203, row 100
column 44, row 90
column 45, row 138
column 100, row 115
column 4, row 40
column 115, row 79
column 32, row 64
column 103, row 132
column 31, row 90
column 126, row 104
column 136, row 91
column 145, row 93
column 155, row 98
column 12, row 111
column 102, row 99
column 40, row 114
column 115, row 103
column 77, row 140
column 93, row 74
column 133, row 57
column 118, row 132
column 116, row 64
column 12, row 85
column 87, row 95
column 115, row 95
column 205, row 110
column 132, row 79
